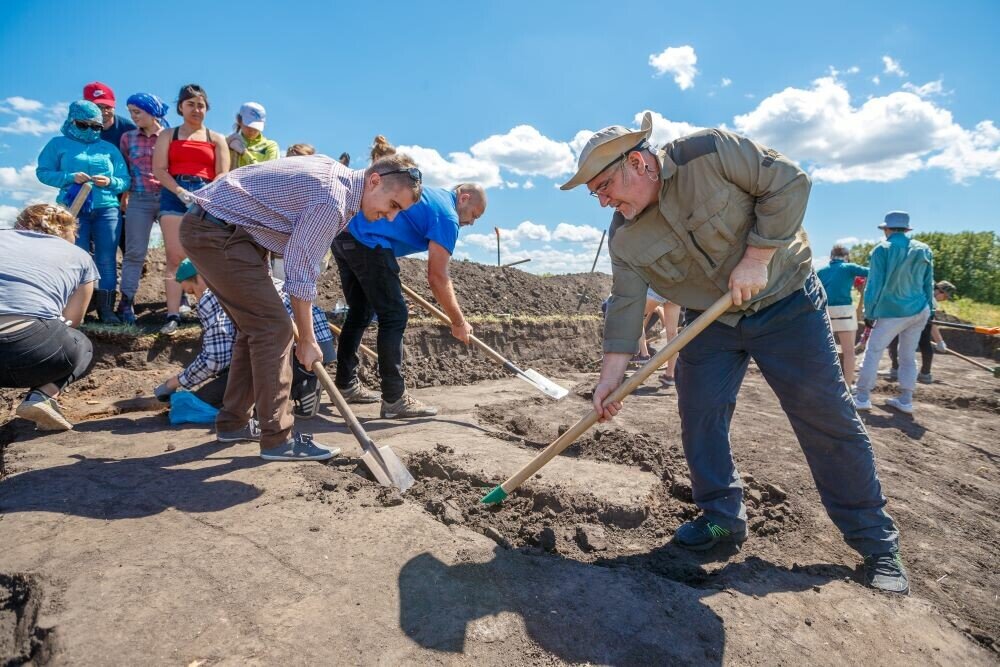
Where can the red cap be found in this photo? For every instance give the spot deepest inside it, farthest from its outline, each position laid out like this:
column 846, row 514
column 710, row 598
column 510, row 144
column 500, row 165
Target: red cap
column 99, row 93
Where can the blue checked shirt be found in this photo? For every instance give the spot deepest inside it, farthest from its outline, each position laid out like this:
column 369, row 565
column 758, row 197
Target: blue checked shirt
column 219, row 333
column 291, row 207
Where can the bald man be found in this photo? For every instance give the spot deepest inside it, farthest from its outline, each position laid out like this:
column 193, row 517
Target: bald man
column 366, row 255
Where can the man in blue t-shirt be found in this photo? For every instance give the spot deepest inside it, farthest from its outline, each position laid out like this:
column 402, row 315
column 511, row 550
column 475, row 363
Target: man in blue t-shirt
column 366, row 255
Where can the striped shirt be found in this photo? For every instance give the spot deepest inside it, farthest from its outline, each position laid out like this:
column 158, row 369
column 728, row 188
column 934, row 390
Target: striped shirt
column 219, row 334
column 291, row 207
column 137, row 149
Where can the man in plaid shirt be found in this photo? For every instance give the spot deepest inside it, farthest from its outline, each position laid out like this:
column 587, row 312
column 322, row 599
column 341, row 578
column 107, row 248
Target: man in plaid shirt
column 211, row 367
column 293, row 208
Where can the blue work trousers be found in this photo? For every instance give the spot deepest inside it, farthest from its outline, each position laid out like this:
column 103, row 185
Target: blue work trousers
column 793, row 346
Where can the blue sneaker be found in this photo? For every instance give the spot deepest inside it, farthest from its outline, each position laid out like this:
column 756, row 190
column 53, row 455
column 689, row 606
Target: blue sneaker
column 886, row 572
column 249, row 433
column 300, row 447
column 702, row 534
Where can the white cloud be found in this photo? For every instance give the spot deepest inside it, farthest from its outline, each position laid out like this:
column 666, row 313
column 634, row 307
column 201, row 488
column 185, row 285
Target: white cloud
column 8, row 215
column 456, row 168
column 22, row 185
column 876, row 80
column 558, row 261
column 575, row 233
column 853, row 69
column 885, row 139
column 485, row 241
column 32, row 116
column 892, row 66
column 24, row 105
column 679, row 61
column 528, row 184
column 526, row 152
column 664, row 130
column 726, row 82
column 513, row 185
column 848, row 241
column 929, row 89
column 510, row 239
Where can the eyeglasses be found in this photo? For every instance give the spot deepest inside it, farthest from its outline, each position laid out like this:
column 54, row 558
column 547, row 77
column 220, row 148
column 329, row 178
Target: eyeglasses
column 84, row 125
column 412, row 172
column 599, row 190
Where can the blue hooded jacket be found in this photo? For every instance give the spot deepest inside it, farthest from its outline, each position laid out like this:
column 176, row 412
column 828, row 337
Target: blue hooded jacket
column 83, row 150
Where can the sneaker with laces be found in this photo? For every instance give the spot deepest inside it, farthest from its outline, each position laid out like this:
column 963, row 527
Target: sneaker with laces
column 702, row 534
column 300, row 447
column 886, row 572
column 44, row 411
column 925, row 378
column 862, row 402
column 898, row 404
column 358, row 393
column 249, row 433
column 407, row 407
column 172, row 325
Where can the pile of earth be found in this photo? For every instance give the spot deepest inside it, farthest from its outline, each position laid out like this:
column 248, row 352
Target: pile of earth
column 481, row 289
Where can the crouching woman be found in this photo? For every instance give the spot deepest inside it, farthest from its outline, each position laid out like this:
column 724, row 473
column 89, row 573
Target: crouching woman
column 46, row 283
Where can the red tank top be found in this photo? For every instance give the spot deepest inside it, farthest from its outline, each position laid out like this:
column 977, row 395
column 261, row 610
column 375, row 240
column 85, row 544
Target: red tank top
column 191, row 158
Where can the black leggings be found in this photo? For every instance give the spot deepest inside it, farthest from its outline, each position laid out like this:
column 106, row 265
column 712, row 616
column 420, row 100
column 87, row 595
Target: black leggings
column 925, row 346
column 45, row 351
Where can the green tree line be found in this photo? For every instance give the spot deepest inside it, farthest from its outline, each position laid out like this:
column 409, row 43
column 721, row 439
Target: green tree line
column 970, row 260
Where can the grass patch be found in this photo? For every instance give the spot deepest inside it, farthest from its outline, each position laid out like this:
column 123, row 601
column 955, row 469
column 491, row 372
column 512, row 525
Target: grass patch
column 982, row 314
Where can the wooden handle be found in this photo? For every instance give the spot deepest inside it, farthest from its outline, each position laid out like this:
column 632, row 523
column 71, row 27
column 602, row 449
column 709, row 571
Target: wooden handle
column 343, row 408
column 971, row 361
column 80, row 199
column 429, row 307
column 370, row 353
column 623, row 390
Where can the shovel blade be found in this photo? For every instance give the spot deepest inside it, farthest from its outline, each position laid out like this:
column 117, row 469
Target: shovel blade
column 386, row 468
column 545, row 385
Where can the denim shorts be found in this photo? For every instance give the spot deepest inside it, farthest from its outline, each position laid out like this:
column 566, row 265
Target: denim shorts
column 170, row 204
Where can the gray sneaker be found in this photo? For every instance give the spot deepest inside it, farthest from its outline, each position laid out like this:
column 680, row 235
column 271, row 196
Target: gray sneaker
column 407, row 407
column 886, row 572
column 249, row 433
column 172, row 325
column 899, row 404
column 300, row 447
column 44, row 411
column 925, row 378
column 358, row 393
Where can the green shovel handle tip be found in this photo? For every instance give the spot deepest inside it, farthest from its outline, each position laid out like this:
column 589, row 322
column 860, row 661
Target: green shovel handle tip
column 495, row 496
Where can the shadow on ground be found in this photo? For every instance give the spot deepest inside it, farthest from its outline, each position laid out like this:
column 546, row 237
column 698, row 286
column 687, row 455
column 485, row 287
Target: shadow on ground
column 620, row 612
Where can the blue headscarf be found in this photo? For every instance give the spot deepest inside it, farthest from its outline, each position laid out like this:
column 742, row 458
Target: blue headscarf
column 86, row 111
column 152, row 105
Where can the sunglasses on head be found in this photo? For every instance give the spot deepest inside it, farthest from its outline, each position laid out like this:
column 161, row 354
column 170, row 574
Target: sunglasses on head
column 87, row 125
column 412, row 172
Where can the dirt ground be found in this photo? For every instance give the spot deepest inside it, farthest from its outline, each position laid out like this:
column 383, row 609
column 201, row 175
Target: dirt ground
column 128, row 540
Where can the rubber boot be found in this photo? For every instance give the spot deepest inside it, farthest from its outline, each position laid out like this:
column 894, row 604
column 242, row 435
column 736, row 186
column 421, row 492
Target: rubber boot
column 106, row 307
column 125, row 310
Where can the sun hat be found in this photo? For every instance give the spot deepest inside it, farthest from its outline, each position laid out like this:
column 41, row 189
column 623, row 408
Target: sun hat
column 896, row 220
column 606, row 146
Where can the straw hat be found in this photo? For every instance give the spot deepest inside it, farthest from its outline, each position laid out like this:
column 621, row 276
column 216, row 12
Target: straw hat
column 605, row 147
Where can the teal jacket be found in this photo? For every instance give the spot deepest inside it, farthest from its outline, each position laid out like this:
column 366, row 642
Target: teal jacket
column 837, row 279
column 900, row 278
column 62, row 157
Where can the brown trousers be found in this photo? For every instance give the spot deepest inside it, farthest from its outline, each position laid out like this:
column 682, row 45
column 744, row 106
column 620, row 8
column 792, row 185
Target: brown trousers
column 235, row 268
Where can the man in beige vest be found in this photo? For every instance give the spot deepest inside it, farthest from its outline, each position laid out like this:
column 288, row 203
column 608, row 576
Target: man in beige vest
column 712, row 213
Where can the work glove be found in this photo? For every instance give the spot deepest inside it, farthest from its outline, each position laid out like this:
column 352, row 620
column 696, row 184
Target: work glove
column 940, row 347
column 162, row 392
column 237, row 144
column 185, row 196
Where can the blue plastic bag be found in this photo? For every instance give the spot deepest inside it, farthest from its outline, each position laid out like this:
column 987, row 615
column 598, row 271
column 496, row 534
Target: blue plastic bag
column 71, row 193
column 186, row 408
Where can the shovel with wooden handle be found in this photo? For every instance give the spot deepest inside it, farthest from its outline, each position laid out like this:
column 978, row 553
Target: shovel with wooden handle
column 532, row 377
column 624, row 389
column 995, row 369
column 383, row 463
column 370, row 353
column 989, row 331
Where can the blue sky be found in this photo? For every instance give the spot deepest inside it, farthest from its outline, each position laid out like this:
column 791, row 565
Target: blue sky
column 889, row 105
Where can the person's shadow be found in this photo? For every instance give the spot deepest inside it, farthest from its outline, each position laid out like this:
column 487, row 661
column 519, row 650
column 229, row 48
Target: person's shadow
column 621, row 611
column 128, row 488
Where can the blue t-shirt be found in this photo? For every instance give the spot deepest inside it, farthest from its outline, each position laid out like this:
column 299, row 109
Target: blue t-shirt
column 838, row 279
column 39, row 273
column 433, row 218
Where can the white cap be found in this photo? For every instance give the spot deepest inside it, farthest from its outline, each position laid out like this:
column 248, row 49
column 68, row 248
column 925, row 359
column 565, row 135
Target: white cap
column 253, row 115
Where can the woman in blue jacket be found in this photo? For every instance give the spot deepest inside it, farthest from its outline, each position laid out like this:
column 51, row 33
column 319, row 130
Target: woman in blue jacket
column 78, row 157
